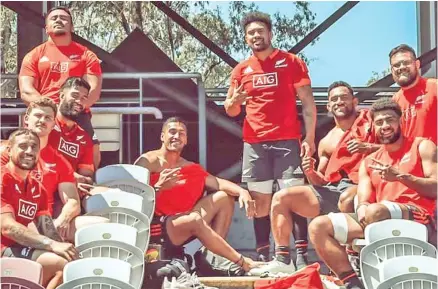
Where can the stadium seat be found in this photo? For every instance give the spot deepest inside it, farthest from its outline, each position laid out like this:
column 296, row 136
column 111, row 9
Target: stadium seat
column 21, row 268
column 113, row 198
column 95, row 283
column 135, row 187
column 117, row 250
column 131, row 218
column 389, row 229
column 106, row 231
column 122, row 172
column 101, row 267
column 18, row 283
column 411, row 281
column 374, row 255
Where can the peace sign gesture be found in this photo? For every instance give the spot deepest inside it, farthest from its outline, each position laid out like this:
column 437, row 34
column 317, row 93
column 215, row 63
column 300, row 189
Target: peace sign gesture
column 387, row 172
column 168, row 178
column 239, row 94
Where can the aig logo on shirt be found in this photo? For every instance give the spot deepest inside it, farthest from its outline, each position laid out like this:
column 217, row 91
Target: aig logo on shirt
column 27, row 209
column 265, row 80
column 59, row 67
column 69, row 148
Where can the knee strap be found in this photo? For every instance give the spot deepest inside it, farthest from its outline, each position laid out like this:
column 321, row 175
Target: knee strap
column 394, row 209
column 287, row 183
column 264, row 187
column 340, row 227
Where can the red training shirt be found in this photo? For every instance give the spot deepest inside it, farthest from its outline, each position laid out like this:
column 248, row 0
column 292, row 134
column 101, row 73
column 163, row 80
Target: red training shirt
column 74, row 144
column 52, row 168
column 51, row 65
column 26, row 199
column 271, row 114
column 419, row 107
column 407, row 159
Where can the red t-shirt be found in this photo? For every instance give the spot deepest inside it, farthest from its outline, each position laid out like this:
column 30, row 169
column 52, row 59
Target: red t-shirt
column 52, row 168
column 419, row 107
column 51, row 65
column 271, row 114
column 184, row 195
column 407, row 159
column 74, row 144
column 26, row 199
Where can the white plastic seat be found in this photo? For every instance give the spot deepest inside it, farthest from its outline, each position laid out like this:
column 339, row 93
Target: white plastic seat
column 408, row 264
column 21, row 268
column 114, row 198
column 100, row 267
column 95, row 283
column 374, row 255
column 122, row 172
column 411, row 281
column 389, row 229
column 131, row 218
column 138, row 188
column 106, row 231
column 117, row 250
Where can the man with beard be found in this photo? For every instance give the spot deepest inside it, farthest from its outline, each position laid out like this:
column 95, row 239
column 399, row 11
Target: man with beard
column 269, row 82
column 23, row 200
column 417, row 96
column 67, row 136
column 56, row 173
column 398, row 181
column 45, row 69
column 181, row 212
column 333, row 184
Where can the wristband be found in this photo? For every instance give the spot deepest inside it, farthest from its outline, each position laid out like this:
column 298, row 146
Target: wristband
column 362, row 204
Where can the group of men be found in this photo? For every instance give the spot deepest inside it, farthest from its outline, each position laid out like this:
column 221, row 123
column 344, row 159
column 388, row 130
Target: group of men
column 384, row 157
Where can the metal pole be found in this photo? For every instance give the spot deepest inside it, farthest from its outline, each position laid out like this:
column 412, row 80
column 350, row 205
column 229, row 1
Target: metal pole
column 202, row 124
column 121, row 138
column 140, row 87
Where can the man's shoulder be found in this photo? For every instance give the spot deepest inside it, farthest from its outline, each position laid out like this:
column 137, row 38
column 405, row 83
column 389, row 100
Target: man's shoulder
column 431, row 84
column 38, row 49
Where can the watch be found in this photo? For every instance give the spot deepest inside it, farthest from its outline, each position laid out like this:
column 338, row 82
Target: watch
column 47, row 241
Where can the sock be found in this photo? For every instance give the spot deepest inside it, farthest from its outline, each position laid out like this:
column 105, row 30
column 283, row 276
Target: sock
column 350, row 280
column 353, row 257
column 282, row 254
column 262, row 229
column 300, row 236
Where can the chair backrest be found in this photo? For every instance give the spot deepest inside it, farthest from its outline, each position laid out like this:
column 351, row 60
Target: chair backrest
column 101, row 267
column 395, row 228
column 21, row 268
column 408, row 264
column 131, row 218
column 375, row 254
column 117, row 250
column 106, row 231
column 18, row 283
column 122, row 172
column 411, row 281
column 95, row 283
column 114, row 198
column 138, row 188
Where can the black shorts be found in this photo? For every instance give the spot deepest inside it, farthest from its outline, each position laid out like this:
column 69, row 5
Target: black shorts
column 159, row 236
column 18, row 251
column 328, row 195
column 84, row 121
column 270, row 160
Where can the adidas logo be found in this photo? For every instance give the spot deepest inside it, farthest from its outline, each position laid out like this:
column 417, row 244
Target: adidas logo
column 44, row 59
column 248, row 70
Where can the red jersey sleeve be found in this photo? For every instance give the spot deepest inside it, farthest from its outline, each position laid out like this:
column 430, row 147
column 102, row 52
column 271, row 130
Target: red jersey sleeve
column 4, row 156
column 87, row 161
column 6, row 207
column 92, row 63
column 29, row 66
column 300, row 73
column 43, row 208
column 67, row 175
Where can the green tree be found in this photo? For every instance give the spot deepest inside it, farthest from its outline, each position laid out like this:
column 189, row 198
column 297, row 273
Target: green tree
column 376, row 76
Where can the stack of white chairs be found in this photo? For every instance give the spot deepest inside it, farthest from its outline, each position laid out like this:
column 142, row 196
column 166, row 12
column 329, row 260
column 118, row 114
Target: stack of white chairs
column 397, row 255
column 17, row 273
column 112, row 254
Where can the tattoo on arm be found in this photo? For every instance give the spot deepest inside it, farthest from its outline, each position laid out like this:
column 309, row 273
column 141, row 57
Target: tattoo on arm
column 25, row 237
column 46, row 227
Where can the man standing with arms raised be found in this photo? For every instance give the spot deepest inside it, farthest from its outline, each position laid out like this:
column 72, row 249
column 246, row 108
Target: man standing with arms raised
column 269, row 82
column 45, row 69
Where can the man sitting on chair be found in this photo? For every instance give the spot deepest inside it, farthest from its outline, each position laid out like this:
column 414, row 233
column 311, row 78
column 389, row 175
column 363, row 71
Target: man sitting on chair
column 181, row 212
column 398, row 181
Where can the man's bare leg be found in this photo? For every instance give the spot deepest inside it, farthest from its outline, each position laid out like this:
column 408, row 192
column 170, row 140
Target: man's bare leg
column 182, row 227
column 262, row 223
column 217, row 211
column 346, row 200
column 96, row 156
column 53, row 266
column 329, row 249
column 81, row 222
